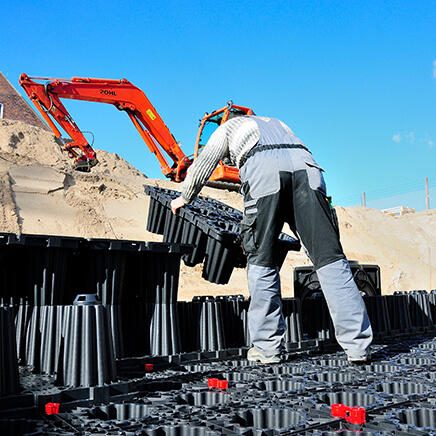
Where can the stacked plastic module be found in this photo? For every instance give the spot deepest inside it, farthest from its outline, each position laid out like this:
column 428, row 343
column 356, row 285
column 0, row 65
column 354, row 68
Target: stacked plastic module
column 9, row 377
column 77, row 344
column 211, row 226
column 367, row 278
column 150, row 300
column 45, row 260
column 71, row 343
column 390, row 315
column 88, row 340
column 113, row 352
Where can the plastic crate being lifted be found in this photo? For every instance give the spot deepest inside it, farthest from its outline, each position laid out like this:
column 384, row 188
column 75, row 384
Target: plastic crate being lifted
column 211, row 226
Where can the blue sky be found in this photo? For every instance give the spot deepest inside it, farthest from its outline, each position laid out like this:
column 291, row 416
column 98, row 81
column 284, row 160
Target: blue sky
column 355, row 80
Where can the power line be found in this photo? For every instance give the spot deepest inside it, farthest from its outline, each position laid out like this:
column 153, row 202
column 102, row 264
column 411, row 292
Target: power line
column 391, row 191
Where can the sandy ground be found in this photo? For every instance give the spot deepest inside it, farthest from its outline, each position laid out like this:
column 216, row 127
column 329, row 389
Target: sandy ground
column 41, row 194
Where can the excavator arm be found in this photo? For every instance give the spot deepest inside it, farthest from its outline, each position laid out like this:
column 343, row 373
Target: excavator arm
column 125, row 97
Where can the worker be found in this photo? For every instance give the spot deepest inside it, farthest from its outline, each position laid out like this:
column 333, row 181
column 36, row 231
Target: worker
column 281, row 182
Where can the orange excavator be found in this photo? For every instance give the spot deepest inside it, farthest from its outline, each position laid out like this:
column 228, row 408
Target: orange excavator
column 128, row 98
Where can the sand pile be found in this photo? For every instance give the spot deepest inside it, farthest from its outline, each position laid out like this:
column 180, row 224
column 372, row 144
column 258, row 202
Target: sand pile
column 40, row 193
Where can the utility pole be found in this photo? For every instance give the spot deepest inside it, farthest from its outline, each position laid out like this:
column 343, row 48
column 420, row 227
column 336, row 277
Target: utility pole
column 427, row 195
column 363, row 199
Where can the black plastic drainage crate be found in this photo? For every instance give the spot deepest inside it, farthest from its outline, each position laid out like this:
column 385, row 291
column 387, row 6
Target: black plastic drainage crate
column 35, row 267
column 306, row 283
column 149, row 299
column 9, row 379
column 136, row 281
column 211, row 226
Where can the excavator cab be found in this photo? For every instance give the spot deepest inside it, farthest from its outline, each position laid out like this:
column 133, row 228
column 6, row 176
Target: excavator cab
column 210, row 122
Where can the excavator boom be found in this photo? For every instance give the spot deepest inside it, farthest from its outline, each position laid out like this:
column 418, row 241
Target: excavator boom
column 121, row 94
column 47, row 93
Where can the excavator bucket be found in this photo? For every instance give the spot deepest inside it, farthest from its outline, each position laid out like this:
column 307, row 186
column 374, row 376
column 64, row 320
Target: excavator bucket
column 85, row 165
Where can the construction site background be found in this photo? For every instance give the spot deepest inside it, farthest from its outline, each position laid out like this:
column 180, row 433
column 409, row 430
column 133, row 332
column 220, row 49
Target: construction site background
column 406, row 194
column 41, row 194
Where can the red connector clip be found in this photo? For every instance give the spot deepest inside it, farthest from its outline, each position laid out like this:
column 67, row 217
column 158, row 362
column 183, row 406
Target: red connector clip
column 222, row 384
column 216, row 383
column 212, row 382
column 52, row 408
column 354, row 415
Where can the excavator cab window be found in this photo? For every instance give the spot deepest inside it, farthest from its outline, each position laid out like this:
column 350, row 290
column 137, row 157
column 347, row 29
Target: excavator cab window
column 236, row 113
column 212, row 124
column 208, row 128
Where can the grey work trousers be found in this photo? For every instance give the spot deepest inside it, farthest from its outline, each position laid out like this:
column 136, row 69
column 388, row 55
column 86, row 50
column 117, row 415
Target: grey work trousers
column 287, row 185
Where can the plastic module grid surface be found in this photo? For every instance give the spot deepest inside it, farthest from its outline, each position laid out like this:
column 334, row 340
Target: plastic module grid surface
column 397, row 390
column 293, row 397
